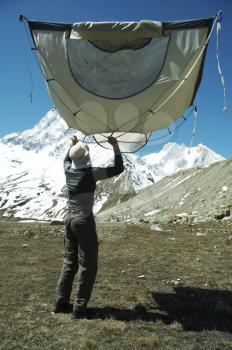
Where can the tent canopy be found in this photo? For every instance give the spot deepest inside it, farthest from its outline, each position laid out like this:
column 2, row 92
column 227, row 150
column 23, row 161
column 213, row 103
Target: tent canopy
column 125, row 79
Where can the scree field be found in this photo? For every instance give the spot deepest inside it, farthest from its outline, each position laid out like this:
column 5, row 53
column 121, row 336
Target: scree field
column 167, row 290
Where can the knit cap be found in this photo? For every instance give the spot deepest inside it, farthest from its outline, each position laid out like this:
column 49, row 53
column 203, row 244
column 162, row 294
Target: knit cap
column 78, row 152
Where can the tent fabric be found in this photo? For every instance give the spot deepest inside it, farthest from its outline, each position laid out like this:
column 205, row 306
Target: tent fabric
column 125, row 79
column 109, row 31
column 130, row 70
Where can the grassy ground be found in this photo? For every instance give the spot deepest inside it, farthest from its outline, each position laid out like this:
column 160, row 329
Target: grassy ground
column 154, row 290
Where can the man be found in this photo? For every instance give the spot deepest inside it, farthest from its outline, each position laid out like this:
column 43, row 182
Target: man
column 80, row 240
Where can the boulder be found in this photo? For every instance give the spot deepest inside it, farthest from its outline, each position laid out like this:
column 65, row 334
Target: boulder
column 219, row 216
column 156, row 227
column 227, row 218
column 183, row 217
column 56, row 222
column 222, row 214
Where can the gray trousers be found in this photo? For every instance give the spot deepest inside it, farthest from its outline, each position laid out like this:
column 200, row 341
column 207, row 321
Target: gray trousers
column 80, row 255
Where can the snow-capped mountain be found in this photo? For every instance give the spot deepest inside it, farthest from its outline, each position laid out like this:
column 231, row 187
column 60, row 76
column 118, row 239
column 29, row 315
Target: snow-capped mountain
column 173, row 158
column 32, row 181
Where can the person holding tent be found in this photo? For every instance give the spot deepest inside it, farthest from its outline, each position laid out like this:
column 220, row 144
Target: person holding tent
column 80, row 239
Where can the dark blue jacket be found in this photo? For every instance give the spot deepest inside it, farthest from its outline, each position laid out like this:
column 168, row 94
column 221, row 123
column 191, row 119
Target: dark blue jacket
column 81, row 184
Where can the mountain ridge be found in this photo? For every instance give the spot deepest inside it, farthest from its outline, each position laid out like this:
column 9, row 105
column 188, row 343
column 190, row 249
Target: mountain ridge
column 33, row 183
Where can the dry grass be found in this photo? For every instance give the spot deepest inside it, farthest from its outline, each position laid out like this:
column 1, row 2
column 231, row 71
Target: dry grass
column 154, row 290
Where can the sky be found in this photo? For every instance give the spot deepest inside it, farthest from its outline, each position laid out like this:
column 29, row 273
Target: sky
column 20, row 74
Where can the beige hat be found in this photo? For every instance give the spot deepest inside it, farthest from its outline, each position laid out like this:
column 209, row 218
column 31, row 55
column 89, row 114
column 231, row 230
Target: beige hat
column 78, row 152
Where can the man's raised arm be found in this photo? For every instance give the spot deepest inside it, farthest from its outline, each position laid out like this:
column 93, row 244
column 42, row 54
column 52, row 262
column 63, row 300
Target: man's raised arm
column 118, row 168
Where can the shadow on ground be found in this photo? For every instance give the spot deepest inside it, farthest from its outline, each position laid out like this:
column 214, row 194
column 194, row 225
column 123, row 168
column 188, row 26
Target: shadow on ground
column 195, row 309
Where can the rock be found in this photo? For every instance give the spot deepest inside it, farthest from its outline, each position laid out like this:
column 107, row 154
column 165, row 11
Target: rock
column 178, row 218
column 142, row 221
column 29, row 234
column 191, row 218
column 156, row 227
column 176, row 282
column 56, row 222
column 134, row 220
column 227, row 218
column 219, row 216
column 225, row 212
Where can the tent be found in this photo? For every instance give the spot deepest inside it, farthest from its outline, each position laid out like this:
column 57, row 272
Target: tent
column 126, row 79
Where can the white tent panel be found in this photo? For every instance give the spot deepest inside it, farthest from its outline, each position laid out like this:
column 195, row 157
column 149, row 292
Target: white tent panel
column 128, row 79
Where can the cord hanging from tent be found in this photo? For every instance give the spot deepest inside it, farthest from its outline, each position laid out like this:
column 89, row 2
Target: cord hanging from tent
column 225, row 109
column 21, row 19
column 194, row 128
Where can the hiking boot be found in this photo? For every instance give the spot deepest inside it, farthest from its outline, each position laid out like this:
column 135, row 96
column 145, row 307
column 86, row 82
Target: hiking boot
column 79, row 313
column 64, row 308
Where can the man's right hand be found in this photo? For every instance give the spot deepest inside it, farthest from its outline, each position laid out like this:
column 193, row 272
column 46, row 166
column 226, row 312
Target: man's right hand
column 112, row 141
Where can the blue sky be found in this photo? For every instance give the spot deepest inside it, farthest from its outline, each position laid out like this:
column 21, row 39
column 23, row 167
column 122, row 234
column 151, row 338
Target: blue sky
column 17, row 113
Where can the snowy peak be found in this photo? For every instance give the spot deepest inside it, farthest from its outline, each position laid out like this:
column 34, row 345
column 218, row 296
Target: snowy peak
column 32, row 178
column 174, row 157
column 50, row 135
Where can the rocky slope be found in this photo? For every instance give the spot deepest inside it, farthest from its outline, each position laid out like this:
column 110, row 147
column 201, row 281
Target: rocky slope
column 197, row 194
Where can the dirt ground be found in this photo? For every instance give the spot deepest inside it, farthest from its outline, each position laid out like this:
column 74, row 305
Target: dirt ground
column 169, row 289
